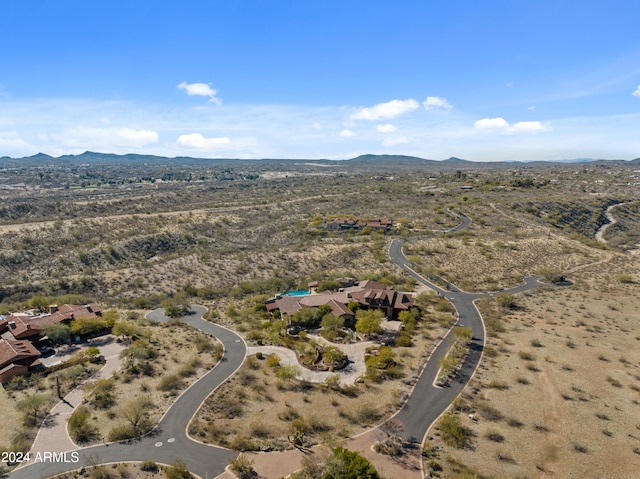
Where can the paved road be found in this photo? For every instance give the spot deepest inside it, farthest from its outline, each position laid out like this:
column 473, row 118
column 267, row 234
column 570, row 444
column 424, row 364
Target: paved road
column 427, row 402
column 168, row 440
column 466, row 221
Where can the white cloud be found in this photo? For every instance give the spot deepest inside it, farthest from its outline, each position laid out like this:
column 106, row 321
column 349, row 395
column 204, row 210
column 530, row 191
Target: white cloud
column 200, row 89
column 527, row 126
column 637, row 91
column 387, row 110
column 433, row 102
column 503, row 125
column 388, row 128
column 531, row 108
column 106, row 137
column 490, row 123
column 400, row 140
column 11, row 142
column 347, row 133
column 196, row 141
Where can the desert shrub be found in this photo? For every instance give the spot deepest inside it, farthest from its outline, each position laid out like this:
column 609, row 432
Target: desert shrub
column 506, row 300
column 404, row 340
column 102, row 393
column 489, row 412
column 347, row 464
column 273, row 361
column 453, row 432
column 178, row 470
column 494, row 436
column 242, row 466
column 203, row 343
column 80, row 429
column 625, row 278
column 170, row 382
column 526, row 356
column 243, row 443
column 333, row 355
column 149, row 466
column 120, row 432
column 100, row 472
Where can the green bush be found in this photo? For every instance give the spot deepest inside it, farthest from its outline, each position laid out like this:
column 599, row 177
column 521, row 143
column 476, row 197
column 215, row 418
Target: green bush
column 87, row 326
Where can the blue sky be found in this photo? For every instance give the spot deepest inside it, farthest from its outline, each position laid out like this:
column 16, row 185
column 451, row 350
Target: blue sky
column 493, row 80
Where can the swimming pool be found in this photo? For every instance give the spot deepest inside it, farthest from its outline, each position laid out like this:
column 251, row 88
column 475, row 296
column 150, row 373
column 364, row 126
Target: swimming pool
column 298, row 292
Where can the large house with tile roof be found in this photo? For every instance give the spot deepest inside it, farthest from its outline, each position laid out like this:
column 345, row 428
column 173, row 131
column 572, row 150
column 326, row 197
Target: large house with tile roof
column 367, row 294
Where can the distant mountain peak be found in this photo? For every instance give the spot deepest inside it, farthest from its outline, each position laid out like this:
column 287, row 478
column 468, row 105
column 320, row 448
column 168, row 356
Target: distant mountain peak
column 453, row 159
column 39, row 156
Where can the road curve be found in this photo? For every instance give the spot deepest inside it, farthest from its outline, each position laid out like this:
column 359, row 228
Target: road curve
column 427, row 402
column 169, row 440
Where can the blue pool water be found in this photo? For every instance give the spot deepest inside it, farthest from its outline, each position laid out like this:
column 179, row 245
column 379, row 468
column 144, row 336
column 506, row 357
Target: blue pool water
column 298, row 292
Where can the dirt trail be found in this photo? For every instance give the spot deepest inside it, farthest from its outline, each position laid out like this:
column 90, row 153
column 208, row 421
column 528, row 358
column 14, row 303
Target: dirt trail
column 555, row 417
column 607, row 255
column 612, row 221
column 198, row 211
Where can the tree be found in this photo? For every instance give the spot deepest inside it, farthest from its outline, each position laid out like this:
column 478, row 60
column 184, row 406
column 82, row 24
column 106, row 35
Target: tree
column 86, row 326
column 39, row 302
column 332, row 322
column 306, row 317
column 33, row 406
column 125, row 328
column 136, row 413
column 368, row 321
column 328, row 285
column 58, row 333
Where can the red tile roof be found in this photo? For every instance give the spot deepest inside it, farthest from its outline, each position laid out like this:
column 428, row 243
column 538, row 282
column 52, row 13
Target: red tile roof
column 15, row 351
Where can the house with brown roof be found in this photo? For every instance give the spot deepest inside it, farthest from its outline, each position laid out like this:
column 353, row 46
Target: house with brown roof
column 17, row 358
column 23, row 326
column 21, row 333
column 368, row 294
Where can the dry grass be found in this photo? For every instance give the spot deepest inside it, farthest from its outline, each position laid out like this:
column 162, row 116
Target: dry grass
column 257, row 410
column 477, row 264
column 177, row 356
column 566, row 410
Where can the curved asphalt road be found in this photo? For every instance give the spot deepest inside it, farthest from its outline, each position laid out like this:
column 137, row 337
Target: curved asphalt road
column 427, row 402
column 168, row 441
